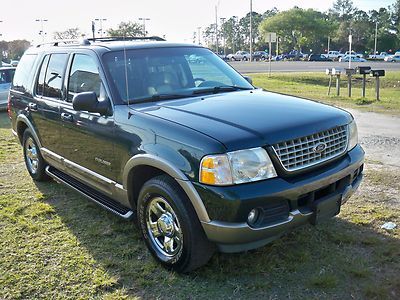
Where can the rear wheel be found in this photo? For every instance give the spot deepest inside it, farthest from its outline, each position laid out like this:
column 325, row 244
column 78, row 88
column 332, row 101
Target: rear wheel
column 170, row 227
column 34, row 161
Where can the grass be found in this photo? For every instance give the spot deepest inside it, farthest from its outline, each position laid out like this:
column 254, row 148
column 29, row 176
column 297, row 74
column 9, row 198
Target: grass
column 54, row 244
column 315, row 86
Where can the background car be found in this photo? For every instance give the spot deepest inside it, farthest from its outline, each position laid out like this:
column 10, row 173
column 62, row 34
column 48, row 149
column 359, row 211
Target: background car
column 6, row 77
column 392, row 58
column 353, row 58
column 239, row 55
column 260, row 55
column 318, row 57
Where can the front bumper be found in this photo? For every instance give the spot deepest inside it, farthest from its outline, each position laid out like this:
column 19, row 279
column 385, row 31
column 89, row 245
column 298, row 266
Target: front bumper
column 336, row 182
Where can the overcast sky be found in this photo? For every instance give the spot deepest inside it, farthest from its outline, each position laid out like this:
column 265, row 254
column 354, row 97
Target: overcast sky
column 177, row 20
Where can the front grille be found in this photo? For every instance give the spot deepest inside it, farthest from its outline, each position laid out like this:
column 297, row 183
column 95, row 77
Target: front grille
column 304, row 152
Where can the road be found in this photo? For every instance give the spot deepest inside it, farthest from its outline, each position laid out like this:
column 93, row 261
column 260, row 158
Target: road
column 305, row 66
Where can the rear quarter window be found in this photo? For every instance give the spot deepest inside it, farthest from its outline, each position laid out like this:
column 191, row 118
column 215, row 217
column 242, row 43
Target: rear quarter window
column 21, row 81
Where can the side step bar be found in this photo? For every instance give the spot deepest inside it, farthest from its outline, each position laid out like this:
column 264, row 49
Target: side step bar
column 90, row 193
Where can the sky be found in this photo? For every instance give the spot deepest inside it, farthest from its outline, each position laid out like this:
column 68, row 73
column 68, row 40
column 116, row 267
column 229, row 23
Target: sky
column 177, row 20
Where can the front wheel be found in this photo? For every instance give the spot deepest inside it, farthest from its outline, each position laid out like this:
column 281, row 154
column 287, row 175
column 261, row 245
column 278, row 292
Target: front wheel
column 170, row 227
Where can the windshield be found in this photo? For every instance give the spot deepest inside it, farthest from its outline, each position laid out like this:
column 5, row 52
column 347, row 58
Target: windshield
column 170, row 73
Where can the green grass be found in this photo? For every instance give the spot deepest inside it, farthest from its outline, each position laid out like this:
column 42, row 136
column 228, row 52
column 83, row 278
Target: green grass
column 55, row 244
column 315, row 86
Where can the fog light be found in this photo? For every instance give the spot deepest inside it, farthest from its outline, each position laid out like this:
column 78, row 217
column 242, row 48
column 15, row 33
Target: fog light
column 253, row 216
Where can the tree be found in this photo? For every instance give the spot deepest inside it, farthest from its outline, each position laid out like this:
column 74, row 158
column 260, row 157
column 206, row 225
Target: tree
column 298, row 28
column 71, row 33
column 344, row 9
column 127, row 29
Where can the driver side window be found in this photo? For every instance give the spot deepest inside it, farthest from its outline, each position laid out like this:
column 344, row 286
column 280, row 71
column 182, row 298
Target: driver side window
column 84, row 77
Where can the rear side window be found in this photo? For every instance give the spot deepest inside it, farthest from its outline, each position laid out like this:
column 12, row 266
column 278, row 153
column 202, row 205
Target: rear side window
column 42, row 76
column 54, row 76
column 23, row 73
column 84, row 76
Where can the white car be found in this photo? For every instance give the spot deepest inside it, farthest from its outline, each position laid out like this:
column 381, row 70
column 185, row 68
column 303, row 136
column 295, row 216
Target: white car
column 239, row 55
column 353, row 58
column 392, row 58
column 6, row 76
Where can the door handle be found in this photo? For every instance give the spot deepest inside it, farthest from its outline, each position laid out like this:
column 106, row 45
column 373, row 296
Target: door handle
column 32, row 106
column 67, row 117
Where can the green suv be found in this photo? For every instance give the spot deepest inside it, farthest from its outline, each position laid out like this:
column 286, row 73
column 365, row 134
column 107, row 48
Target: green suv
column 173, row 137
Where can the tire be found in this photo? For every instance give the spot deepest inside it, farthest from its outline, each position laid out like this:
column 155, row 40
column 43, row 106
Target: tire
column 165, row 214
column 34, row 161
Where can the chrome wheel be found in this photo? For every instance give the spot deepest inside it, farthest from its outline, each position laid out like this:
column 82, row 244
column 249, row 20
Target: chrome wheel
column 31, row 155
column 163, row 227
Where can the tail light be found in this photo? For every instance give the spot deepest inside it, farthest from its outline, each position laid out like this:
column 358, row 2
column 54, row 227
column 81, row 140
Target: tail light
column 9, row 105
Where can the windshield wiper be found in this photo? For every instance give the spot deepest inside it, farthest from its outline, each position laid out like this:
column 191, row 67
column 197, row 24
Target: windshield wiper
column 221, row 88
column 158, row 97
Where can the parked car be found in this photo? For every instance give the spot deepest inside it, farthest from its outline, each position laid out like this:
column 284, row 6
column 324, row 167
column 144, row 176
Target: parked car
column 6, row 77
column 294, row 54
column 380, row 56
column 334, row 55
column 260, row 55
column 203, row 159
column 392, row 58
column 353, row 57
column 239, row 55
column 14, row 63
column 318, row 57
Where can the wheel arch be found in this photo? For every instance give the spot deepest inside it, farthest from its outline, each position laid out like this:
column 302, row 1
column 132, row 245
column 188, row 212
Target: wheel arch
column 143, row 167
column 22, row 124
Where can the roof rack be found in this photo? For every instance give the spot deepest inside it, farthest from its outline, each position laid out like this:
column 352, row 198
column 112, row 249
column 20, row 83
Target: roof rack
column 87, row 42
column 127, row 38
column 71, row 42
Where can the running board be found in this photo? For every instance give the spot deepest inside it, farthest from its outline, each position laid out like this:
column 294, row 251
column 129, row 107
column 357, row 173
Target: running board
column 92, row 194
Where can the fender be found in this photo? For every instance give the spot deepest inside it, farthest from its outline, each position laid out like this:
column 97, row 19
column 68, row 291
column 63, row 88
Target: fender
column 24, row 119
column 174, row 172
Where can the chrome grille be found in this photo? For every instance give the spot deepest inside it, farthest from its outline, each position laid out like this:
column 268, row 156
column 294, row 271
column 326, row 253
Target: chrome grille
column 304, row 152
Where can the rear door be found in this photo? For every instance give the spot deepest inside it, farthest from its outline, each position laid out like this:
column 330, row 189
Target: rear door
column 45, row 106
column 88, row 137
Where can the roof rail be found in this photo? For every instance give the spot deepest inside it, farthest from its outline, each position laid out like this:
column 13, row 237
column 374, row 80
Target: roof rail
column 67, row 42
column 127, row 38
column 87, row 42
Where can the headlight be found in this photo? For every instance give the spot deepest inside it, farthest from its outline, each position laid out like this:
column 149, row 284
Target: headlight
column 353, row 135
column 236, row 167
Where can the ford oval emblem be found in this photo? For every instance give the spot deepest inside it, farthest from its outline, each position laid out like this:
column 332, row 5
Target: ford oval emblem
column 319, row 148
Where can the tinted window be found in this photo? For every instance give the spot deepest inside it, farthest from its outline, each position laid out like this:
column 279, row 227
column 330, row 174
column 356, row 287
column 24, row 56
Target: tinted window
column 54, row 75
column 84, row 76
column 42, row 75
column 6, row 75
column 23, row 72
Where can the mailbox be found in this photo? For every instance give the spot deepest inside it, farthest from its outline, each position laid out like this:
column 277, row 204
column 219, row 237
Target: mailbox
column 328, row 71
column 377, row 73
column 363, row 70
column 336, row 71
column 350, row 71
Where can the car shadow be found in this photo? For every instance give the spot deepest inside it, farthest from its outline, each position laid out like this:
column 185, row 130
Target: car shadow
column 4, row 120
column 337, row 259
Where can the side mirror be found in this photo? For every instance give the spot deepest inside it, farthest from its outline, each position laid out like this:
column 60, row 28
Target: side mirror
column 87, row 101
column 249, row 80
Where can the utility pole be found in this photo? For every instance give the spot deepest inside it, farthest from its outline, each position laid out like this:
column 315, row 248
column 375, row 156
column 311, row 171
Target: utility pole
column 144, row 25
column 198, row 34
column 41, row 32
column 1, row 35
column 251, row 30
column 101, row 20
column 376, row 37
column 94, row 30
column 223, row 34
column 216, row 29
column 329, row 43
column 234, row 33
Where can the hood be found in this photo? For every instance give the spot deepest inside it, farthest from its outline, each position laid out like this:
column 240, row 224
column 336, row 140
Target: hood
column 246, row 119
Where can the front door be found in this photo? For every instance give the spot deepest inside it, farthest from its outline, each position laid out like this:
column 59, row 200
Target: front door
column 87, row 137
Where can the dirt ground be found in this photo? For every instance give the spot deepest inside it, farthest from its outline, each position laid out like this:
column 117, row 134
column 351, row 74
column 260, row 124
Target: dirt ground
column 379, row 134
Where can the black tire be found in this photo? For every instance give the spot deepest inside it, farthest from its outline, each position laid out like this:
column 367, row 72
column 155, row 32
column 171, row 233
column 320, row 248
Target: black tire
column 34, row 162
column 193, row 249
